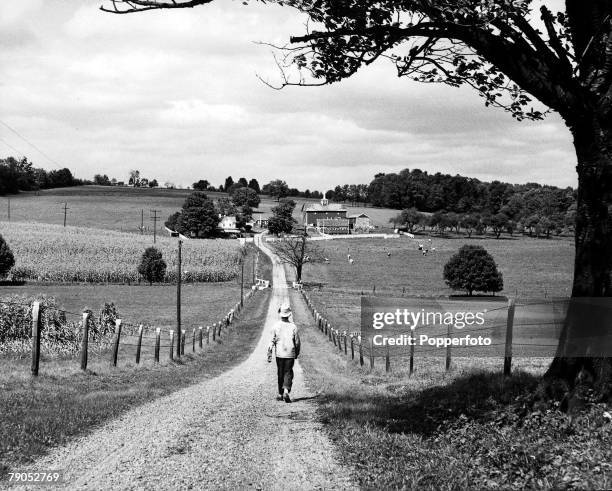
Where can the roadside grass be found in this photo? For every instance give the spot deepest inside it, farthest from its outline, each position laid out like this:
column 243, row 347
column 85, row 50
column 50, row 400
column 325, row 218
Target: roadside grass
column 470, row 428
column 63, row 402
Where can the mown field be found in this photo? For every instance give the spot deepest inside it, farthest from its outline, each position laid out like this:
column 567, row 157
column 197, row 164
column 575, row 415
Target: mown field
column 534, row 271
column 530, row 267
column 78, row 254
column 121, row 208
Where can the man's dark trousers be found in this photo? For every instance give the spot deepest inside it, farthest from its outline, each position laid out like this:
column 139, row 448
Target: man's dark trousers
column 285, row 373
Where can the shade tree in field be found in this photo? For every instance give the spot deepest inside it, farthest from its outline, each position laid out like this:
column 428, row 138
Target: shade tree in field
column 497, row 48
column 498, row 223
column 277, row 189
column 152, row 266
column 282, row 220
column 229, row 182
column 201, row 185
column 470, row 224
column 199, row 217
column 473, row 269
column 298, row 252
column 7, row 259
column 245, row 196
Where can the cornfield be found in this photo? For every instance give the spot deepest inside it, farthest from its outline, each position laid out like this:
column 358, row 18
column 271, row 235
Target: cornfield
column 53, row 253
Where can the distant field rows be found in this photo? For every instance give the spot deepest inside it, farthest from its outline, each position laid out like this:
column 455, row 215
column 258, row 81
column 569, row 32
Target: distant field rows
column 76, row 254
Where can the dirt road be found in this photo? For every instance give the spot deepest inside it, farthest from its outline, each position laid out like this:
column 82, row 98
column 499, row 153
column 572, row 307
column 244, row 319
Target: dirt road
column 226, row 432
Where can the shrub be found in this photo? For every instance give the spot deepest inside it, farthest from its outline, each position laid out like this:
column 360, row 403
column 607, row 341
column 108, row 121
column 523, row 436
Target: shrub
column 7, row 260
column 152, row 266
column 473, row 269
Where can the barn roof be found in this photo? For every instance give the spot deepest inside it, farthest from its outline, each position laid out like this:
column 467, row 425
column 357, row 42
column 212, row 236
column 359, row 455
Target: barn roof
column 361, row 215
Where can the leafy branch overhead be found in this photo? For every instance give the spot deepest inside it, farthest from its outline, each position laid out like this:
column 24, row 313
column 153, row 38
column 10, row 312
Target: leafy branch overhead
column 490, row 45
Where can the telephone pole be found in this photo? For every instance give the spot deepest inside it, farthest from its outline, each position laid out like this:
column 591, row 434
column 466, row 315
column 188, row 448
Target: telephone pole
column 178, row 300
column 141, row 222
column 242, row 281
column 65, row 212
column 155, row 217
column 9, row 208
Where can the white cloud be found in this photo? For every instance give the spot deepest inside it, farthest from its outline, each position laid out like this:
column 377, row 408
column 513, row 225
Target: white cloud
column 175, row 94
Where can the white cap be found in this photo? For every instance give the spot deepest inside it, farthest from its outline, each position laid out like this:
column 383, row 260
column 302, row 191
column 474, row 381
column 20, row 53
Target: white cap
column 285, row 310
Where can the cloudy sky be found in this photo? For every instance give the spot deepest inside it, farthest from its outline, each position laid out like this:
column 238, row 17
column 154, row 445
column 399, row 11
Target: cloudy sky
column 175, row 94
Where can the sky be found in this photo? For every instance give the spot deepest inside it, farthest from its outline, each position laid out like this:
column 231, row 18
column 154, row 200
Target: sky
column 176, row 95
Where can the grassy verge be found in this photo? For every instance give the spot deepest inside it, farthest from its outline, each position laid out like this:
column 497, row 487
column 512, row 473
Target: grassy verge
column 37, row 414
column 468, row 429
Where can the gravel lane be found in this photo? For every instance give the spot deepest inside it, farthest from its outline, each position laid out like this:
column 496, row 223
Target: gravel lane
column 226, row 432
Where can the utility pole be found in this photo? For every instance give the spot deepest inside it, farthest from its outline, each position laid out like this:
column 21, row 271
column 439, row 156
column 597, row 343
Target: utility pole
column 65, row 212
column 9, row 209
column 242, row 281
column 155, row 217
column 178, row 300
column 141, row 222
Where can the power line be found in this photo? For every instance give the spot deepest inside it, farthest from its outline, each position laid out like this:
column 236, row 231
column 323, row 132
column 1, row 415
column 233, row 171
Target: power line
column 31, row 144
column 11, row 146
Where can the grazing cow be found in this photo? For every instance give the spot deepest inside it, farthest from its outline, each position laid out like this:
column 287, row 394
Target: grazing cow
column 351, row 261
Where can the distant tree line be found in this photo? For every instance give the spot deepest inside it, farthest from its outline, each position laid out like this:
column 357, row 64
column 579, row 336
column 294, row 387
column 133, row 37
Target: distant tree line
column 21, row 175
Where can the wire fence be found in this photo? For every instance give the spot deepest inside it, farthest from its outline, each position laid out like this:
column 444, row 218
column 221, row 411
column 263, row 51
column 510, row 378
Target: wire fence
column 29, row 328
column 520, row 328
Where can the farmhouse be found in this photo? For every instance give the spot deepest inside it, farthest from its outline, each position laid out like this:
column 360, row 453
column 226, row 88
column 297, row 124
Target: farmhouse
column 228, row 225
column 360, row 224
column 323, row 211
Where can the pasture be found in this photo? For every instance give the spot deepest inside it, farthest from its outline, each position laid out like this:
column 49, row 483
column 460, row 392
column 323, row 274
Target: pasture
column 121, row 208
column 532, row 269
column 79, row 254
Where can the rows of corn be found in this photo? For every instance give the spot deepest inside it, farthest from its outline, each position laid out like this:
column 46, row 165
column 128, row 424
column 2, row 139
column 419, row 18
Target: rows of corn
column 54, row 253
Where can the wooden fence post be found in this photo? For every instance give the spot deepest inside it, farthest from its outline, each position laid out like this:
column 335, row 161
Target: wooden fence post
column 85, row 341
column 207, row 334
column 36, row 321
column 117, row 339
column 157, row 343
column 371, row 354
column 139, row 346
column 339, row 341
column 194, row 330
column 448, row 348
column 200, row 336
column 360, row 353
column 345, row 343
column 387, row 361
column 329, row 331
column 412, row 356
column 171, row 345
column 352, row 348
column 509, row 327
column 214, row 331
column 183, row 336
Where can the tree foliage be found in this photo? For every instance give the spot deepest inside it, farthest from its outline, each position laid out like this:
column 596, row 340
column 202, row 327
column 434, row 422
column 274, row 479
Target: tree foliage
column 7, row 260
column 198, row 218
column 245, row 196
column 152, row 266
column 473, row 269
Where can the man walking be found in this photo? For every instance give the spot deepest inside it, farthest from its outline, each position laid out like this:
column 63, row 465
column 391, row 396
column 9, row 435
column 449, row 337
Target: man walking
column 286, row 340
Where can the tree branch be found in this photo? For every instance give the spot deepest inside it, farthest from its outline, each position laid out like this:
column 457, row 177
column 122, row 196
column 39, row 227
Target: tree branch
column 130, row 6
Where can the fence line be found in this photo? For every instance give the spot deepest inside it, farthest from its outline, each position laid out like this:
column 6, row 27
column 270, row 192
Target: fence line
column 36, row 311
column 360, row 350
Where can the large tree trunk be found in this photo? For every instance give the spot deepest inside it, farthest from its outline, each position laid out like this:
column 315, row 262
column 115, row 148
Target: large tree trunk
column 593, row 262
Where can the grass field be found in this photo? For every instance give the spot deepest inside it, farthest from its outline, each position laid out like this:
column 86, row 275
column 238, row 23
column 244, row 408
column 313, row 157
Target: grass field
column 120, row 208
column 530, row 267
column 79, row 254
